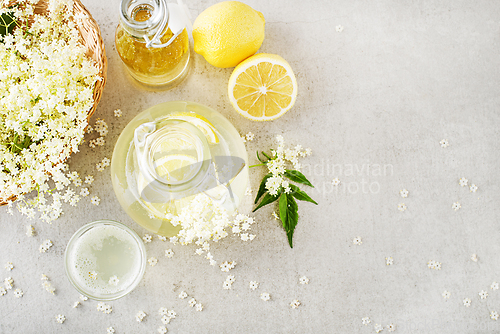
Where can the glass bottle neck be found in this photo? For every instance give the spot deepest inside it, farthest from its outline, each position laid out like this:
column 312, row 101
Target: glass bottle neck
column 142, row 17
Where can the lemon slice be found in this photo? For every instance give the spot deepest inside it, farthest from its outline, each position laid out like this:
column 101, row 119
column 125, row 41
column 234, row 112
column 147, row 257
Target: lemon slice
column 262, row 87
column 200, row 122
column 175, row 167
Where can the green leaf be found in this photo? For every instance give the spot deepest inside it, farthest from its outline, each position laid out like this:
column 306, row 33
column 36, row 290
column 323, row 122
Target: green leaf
column 7, row 23
column 262, row 187
column 300, row 195
column 289, row 215
column 298, row 177
column 266, row 200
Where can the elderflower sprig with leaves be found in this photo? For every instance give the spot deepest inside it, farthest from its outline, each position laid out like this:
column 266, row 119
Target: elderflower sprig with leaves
column 276, row 184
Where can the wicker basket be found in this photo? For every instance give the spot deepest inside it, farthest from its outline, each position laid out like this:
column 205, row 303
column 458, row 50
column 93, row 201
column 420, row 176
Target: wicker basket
column 91, row 38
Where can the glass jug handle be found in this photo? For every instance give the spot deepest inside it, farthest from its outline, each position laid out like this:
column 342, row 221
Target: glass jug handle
column 222, row 193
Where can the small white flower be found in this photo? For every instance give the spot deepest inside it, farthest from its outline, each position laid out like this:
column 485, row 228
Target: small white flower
column 389, row 261
column 60, row 318
column 113, row 280
column 9, row 266
column 84, row 192
column 30, row 231
column 404, row 193
column 494, row 315
column 473, row 188
column 473, row 257
column 339, row 28
column 163, row 311
column 275, row 216
column 169, row 253
column 357, row 241
column 444, row 143
column 366, row 321
column 336, row 181
column 162, row 329
column 110, row 330
column 107, row 309
column 230, row 279
column 401, row 207
column 463, row 181
column 295, row 303
column 118, row 113
column 456, row 206
column 304, row 280
column 378, row 328
column 199, row 251
column 100, row 167
column 183, row 295
column 391, row 328
column 8, row 283
column 147, row 238
column 93, row 274
column 265, row 296
column 483, row 294
column 84, row 298
column 225, row 267
column 162, row 238
column 249, row 136
column 467, row 302
column 89, row 179
column 192, row 302
column 165, row 320
column 152, row 261
column 248, row 191
column 199, row 307
column 95, row 200
column 2, row 291
column 494, row 286
column 76, row 304
column 253, row 285
column 171, row 314
column 446, row 294
column 18, row 293
column 226, row 285
column 105, row 162
column 101, row 306
column 140, row 316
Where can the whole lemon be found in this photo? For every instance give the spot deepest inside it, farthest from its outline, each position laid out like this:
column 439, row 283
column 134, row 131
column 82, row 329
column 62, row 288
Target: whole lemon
column 228, row 32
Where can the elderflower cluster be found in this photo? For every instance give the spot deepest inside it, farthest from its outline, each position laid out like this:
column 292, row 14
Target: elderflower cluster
column 203, row 220
column 277, row 166
column 46, row 91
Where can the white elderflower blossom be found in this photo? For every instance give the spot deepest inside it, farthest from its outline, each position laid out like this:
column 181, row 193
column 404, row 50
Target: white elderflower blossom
column 389, row 261
column 140, row 316
column 165, row 320
column 226, row 285
column 494, row 315
column 404, row 193
column 304, row 280
column 30, row 231
column 391, row 328
column 60, row 318
column 473, row 257
column 183, row 295
column 249, row 136
column 446, row 294
column 463, row 181
column 76, row 304
column 192, row 302
column 95, row 200
column 113, row 280
column 198, row 307
column 118, row 113
column 483, row 294
column 473, row 188
column 2, row 291
column 456, row 206
column 494, row 286
column 169, row 253
column 93, row 274
column 152, row 261
column 89, row 179
column 444, row 143
column 162, row 238
column 295, row 303
column 401, row 207
column 9, row 266
column 18, row 293
column 171, row 314
column 357, row 241
column 336, row 181
column 366, row 321
column 163, row 311
column 83, row 298
column 265, row 296
column 339, row 28
column 147, row 238
column 110, row 330
column 45, row 246
column 162, row 330
column 467, row 302
column 378, row 328
column 84, row 192
column 253, row 285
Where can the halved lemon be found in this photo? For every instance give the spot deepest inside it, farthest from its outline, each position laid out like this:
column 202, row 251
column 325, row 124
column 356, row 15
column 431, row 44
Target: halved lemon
column 200, row 122
column 262, row 87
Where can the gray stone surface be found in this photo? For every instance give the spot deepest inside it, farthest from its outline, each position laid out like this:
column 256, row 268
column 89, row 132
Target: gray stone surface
column 400, row 77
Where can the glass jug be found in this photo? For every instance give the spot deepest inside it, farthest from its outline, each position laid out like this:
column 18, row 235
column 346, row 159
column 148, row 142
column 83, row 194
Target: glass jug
column 171, row 153
column 153, row 42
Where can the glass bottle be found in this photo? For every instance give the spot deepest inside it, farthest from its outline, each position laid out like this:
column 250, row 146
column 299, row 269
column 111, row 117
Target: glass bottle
column 171, row 153
column 153, row 42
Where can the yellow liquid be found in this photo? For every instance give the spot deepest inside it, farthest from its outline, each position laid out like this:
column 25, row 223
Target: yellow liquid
column 154, row 66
